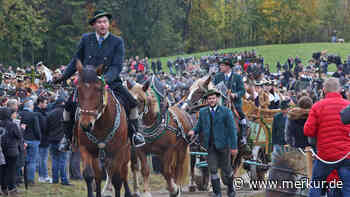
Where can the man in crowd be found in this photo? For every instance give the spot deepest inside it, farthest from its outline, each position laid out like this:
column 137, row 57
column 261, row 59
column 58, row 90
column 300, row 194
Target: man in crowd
column 32, row 136
column 332, row 136
column 216, row 124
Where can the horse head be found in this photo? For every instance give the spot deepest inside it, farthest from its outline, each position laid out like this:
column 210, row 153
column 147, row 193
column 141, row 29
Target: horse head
column 196, row 92
column 151, row 101
column 91, row 94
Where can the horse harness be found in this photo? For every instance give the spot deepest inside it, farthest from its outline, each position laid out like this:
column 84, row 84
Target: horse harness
column 101, row 144
column 163, row 118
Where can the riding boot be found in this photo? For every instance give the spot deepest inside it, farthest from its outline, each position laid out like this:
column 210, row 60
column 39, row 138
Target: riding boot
column 66, row 141
column 136, row 138
column 230, row 188
column 216, row 187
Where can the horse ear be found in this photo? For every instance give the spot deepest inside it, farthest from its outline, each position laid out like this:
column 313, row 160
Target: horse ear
column 99, row 69
column 146, row 85
column 79, row 65
column 206, row 82
column 130, row 84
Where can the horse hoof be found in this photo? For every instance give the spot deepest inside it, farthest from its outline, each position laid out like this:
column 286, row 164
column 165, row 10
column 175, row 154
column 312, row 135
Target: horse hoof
column 192, row 188
column 137, row 194
column 177, row 194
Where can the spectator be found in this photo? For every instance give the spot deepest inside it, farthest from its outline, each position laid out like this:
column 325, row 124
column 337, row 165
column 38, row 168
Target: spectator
column 59, row 158
column 11, row 136
column 41, row 110
column 32, row 136
column 278, row 125
column 332, row 136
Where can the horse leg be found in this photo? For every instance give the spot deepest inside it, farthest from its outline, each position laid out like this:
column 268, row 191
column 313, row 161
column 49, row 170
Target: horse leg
column 117, row 183
column 145, row 171
column 192, row 186
column 98, row 176
column 174, row 190
column 135, row 169
column 88, row 172
column 108, row 188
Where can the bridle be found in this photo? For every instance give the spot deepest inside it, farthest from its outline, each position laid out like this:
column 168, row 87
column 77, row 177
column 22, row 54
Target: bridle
column 97, row 113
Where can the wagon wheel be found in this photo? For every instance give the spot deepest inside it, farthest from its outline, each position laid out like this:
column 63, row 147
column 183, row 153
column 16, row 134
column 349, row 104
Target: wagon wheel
column 258, row 172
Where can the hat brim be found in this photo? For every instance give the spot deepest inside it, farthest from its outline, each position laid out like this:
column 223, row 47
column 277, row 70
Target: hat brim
column 211, row 93
column 92, row 21
column 226, row 64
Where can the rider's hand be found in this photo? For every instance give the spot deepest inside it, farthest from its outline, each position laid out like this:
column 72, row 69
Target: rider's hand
column 190, row 133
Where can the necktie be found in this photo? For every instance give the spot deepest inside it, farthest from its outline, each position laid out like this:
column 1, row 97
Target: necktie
column 100, row 40
column 212, row 112
column 226, row 77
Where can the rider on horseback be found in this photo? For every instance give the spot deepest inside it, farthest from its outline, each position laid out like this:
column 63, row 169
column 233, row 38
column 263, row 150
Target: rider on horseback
column 233, row 82
column 102, row 47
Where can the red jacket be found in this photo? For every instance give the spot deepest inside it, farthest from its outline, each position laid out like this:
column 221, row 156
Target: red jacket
column 333, row 137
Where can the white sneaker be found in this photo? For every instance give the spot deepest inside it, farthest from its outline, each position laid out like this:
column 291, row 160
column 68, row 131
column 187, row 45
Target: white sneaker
column 45, row 180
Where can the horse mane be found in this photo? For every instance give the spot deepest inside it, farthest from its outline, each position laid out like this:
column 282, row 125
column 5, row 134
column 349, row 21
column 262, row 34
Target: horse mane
column 89, row 74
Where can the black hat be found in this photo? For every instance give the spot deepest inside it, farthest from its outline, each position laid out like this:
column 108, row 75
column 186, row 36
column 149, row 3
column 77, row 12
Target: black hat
column 227, row 62
column 98, row 14
column 211, row 92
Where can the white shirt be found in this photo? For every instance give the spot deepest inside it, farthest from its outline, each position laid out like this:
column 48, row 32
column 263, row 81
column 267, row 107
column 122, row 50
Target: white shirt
column 104, row 37
column 228, row 75
column 216, row 106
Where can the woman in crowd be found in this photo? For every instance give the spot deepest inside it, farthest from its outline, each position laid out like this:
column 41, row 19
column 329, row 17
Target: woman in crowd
column 10, row 140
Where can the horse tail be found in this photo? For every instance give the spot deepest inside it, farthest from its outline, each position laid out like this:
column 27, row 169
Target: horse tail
column 183, row 168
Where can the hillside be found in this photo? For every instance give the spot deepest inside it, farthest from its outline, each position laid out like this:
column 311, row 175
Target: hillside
column 280, row 52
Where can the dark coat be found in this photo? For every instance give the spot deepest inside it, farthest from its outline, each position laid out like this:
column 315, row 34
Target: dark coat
column 224, row 128
column 294, row 133
column 10, row 141
column 55, row 128
column 278, row 126
column 159, row 66
column 31, row 120
column 42, row 115
column 235, row 84
column 111, row 54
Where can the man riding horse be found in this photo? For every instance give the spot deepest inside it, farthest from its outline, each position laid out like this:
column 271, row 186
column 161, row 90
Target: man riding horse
column 96, row 48
column 233, row 82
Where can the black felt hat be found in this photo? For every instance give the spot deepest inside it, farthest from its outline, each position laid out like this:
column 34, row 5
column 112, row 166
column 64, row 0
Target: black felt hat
column 211, row 92
column 99, row 14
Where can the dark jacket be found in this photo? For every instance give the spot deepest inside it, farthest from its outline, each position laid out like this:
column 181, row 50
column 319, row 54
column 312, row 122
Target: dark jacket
column 10, row 141
column 111, row 54
column 235, row 84
column 42, row 115
column 278, row 125
column 294, row 132
column 224, row 128
column 31, row 120
column 345, row 115
column 55, row 118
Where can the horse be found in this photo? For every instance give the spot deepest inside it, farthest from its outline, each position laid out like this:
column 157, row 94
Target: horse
column 165, row 131
column 100, row 132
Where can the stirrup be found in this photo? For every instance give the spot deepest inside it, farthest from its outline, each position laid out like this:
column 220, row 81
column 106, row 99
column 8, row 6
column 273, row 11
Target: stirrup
column 138, row 140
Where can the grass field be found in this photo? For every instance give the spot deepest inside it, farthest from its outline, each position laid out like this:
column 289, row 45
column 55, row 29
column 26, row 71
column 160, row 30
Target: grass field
column 280, row 52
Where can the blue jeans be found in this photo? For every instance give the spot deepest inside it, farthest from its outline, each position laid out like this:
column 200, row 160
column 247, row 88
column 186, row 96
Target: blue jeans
column 59, row 164
column 321, row 171
column 44, row 154
column 31, row 158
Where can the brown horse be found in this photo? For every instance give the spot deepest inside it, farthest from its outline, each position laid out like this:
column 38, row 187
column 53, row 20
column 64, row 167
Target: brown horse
column 101, row 132
column 165, row 131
